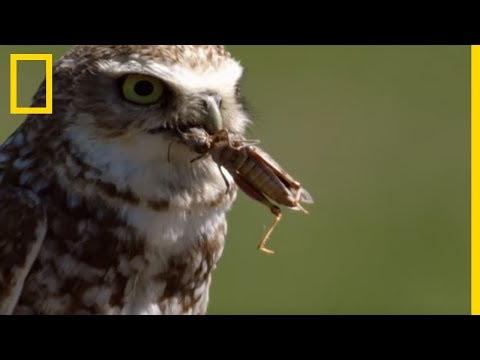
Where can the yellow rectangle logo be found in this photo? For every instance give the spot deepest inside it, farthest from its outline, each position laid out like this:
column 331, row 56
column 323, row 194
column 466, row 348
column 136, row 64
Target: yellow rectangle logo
column 14, row 109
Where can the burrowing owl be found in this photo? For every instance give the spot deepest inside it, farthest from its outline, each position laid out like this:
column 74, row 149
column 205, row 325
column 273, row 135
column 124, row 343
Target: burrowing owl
column 97, row 215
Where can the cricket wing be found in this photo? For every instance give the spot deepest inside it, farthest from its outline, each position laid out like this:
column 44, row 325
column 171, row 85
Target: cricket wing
column 23, row 226
column 305, row 197
column 262, row 156
column 288, row 180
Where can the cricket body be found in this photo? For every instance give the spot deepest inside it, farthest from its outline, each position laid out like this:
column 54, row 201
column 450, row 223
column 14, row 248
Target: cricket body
column 253, row 170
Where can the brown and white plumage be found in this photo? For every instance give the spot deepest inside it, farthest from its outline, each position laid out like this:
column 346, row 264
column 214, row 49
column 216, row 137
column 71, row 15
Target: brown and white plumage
column 100, row 218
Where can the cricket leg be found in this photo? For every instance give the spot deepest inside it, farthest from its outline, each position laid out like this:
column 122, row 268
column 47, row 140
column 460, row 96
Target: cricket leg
column 199, row 158
column 249, row 143
column 250, row 190
column 278, row 216
column 169, row 154
column 301, row 208
column 239, row 143
column 224, row 179
column 298, row 206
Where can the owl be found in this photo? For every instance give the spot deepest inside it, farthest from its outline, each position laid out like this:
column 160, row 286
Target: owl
column 102, row 210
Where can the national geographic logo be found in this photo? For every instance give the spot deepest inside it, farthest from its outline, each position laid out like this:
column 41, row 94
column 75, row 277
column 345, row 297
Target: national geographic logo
column 14, row 108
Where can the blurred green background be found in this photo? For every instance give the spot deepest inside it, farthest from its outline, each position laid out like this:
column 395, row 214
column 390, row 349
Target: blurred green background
column 379, row 135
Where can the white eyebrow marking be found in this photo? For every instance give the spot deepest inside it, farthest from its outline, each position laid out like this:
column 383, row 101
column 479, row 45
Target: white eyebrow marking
column 221, row 79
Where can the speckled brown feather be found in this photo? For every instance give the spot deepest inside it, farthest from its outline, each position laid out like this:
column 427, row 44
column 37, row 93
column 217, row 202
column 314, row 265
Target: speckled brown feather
column 22, row 233
column 194, row 56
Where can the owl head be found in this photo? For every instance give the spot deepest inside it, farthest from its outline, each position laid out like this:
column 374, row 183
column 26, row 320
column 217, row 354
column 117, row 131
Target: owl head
column 123, row 91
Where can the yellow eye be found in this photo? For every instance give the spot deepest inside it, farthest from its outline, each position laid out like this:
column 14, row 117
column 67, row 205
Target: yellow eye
column 142, row 89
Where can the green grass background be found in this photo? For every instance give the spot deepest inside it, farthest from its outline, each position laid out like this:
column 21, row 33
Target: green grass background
column 379, row 135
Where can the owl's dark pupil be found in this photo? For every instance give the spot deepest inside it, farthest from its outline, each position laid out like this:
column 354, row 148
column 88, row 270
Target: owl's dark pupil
column 143, row 88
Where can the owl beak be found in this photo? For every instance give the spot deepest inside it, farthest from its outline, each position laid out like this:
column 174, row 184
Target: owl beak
column 213, row 120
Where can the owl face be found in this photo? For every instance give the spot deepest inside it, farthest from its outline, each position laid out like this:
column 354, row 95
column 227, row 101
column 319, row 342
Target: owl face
column 154, row 91
column 122, row 110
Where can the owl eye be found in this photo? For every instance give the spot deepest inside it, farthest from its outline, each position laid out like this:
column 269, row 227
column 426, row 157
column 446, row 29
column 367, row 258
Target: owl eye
column 142, row 89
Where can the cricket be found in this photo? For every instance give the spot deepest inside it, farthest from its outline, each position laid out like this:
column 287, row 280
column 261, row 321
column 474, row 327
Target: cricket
column 253, row 170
